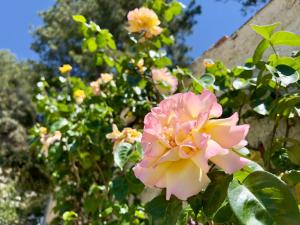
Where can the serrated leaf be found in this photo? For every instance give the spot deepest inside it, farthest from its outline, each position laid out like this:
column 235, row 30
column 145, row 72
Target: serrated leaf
column 263, row 199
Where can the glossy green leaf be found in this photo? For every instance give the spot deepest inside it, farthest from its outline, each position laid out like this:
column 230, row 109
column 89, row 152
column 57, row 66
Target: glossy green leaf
column 260, row 49
column 121, row 154
column 291, row 177
column 263, row 199
column 79, row 18
column 207, row 80
column 214, row 194
column 240, row 83
column 285, row 38
column 70, row 216
column 287, row 75
column 266, row 30
column 163, row 212
column 59, row 124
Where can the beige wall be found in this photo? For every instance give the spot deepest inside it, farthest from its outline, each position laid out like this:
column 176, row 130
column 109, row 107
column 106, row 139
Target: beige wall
column 239, row 46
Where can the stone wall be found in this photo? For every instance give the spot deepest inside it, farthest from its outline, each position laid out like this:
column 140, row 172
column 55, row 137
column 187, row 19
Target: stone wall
column 234, row 50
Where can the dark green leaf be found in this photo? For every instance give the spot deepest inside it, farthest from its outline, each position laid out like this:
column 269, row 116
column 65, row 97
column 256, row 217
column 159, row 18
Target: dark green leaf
column 263, row 199
column 214, row 195
column 163, row 212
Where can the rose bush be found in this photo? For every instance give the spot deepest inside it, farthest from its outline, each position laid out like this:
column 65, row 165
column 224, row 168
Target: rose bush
column 98, row 136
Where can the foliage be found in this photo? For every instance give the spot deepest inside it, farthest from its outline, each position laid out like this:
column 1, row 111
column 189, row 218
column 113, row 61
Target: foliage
column 93, row 178
column 58, row 40
column 22, row 177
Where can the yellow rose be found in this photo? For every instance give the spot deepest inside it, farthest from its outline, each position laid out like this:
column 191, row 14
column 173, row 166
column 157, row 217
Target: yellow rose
column 66, row 68
column 79, row 96
column 144, row 20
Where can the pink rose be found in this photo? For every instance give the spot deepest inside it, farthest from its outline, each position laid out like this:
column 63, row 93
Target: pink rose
column 164, row 81
column 180, row 136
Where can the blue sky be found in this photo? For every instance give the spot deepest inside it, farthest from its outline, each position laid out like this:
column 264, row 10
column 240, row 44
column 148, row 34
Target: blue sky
column 18, row 17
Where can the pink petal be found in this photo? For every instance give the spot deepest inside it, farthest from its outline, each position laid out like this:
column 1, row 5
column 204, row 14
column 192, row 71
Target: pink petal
column 212, row 149
column 230, row 162
column 185, row 179
column 229, row 136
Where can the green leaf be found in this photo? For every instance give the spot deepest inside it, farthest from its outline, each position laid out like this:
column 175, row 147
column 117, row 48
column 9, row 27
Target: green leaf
column 119, row 188
column 266, row 30
column 92, row 44
column 240, row 83
column 109, row 61
column 196, row 203
column 163, row 62
column 163, row 212
column 287, row 75
column 291, row 177
column 69, row 216
column 285, row 38
column 207, row 80
column 263, row 199
column 260, row 49
column 174, row 10
column 214, row 194
column 59, row 124
column 121, row 154
column 293, row 150
column 79, row 18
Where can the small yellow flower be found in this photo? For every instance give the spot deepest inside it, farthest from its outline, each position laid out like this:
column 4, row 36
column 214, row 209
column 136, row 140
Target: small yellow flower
column 207, row 63
column 105, row 78
column 66, row 68
column 140, row 66
column 43, row 130
column 79, row 96
column 128, row 135
column 115, row 134
column 144, row 20
column 132, row 135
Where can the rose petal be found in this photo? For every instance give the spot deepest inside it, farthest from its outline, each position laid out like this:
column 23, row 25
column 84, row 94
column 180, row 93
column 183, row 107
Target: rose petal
column 230, row 162
column 185, row 179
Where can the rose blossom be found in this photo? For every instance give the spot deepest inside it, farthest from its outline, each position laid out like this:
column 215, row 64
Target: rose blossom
column 180, row 136
column 164, row 81
column 144, row 20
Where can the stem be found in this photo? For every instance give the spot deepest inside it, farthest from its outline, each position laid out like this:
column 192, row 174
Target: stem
column 272, row 143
